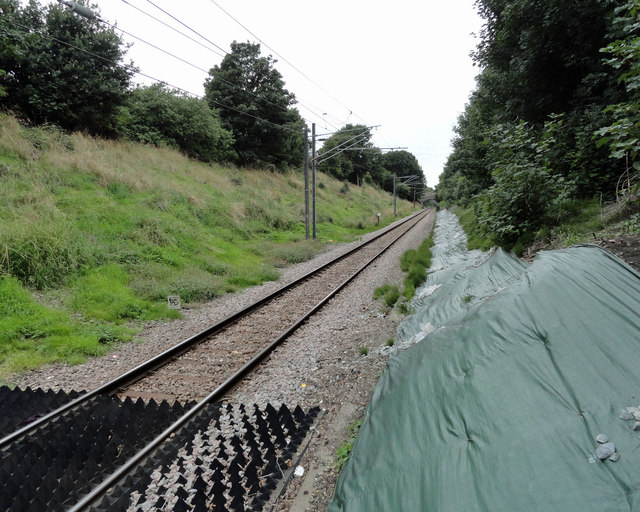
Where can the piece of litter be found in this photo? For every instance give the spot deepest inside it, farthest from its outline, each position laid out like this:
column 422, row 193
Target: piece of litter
column 115, row 356
column 299, row 471
column 304, row 385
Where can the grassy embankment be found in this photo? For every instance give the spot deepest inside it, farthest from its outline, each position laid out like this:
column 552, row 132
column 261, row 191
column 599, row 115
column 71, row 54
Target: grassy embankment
column 94, row 235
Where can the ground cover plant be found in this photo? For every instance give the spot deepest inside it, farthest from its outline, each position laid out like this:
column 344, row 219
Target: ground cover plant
column 415, row 263
column 102, row 232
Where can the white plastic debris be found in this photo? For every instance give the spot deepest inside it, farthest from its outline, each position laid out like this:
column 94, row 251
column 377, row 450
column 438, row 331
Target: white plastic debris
column 299, row 471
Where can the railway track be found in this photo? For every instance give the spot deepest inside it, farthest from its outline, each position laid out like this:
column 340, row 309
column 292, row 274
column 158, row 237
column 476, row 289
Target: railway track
column 209, row 360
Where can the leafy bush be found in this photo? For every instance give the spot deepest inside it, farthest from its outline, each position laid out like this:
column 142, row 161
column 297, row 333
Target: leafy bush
column 623, row 136
column 526, row 192
column 163, row 117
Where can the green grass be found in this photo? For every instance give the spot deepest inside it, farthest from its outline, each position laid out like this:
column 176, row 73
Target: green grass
column 389, row 293
column 107, row 230
column 415, row 263
column 32, row 334
column 344, row 450
column 475, row 239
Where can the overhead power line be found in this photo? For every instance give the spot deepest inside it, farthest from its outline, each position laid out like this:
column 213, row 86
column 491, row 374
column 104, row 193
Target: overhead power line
column 288, row 62
column 299, row 102
column 173, row 28
column 188, row 27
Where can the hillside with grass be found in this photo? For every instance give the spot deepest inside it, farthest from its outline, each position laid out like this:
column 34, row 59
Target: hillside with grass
column 95, row 234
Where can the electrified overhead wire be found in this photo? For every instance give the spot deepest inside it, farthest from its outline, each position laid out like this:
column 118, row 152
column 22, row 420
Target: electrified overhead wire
column 115, row 27
column 280, row 107
column 173, row 28
column 198, row 42
column 188, row 27
column 285, row 60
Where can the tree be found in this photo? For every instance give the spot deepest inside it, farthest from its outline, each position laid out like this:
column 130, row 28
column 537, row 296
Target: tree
column 255, row 106
column 545, row 55
column 162, row 116
column 623, row 134
column 351, row 156
column 403, row 163
column 61, row 68
column 541, row 61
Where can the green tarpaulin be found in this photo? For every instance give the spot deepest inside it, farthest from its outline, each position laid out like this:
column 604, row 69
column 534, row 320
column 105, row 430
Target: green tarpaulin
column 498, row 405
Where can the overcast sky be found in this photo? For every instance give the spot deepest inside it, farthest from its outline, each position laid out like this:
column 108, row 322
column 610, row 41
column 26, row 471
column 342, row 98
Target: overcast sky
column 403, row 65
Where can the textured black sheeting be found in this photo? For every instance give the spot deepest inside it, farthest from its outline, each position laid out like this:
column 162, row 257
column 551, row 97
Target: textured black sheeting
column 53, row 467
column 20, row 407
column 227, row 473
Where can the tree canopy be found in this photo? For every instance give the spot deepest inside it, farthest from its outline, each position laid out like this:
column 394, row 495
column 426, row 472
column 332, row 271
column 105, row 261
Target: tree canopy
column 349, row 155
column 162, row 116
column 60, row 68
column 529, row 133
column 254, row 104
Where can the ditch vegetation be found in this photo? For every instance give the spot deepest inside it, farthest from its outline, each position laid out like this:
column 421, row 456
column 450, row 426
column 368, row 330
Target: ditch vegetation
column 96, row 234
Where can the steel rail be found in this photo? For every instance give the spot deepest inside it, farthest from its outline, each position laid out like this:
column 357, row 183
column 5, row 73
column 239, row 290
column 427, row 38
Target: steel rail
column 161, row 359
column 101, row 489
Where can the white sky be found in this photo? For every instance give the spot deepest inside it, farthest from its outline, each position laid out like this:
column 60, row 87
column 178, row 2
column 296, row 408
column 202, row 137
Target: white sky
column 403, row 65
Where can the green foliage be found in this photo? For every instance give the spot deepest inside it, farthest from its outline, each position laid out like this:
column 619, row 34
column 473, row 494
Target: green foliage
column 476, row 238
column 526, row 192
column 391, row 342
column 403, row 164
column 363, row 351
column 61, row 68
column 255, row 106
column 104, row 294
column 39, row 255
column 623, row 135
column 389, row 293
column 32, row 334
column 164, row 117
column 351, row 166
column 525, row 142
column 415, row 263
column 632, row 224
column 344, row 450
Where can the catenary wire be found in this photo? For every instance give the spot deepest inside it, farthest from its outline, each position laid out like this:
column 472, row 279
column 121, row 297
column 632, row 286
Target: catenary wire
column 173, row 28
column 300, row 103
column 285, row 60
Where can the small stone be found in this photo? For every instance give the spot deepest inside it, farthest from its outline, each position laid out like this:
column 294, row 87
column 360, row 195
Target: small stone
column 636, row 426
column 626, row 414
column 606, row 450
column 615, row 457
column 601, row 438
